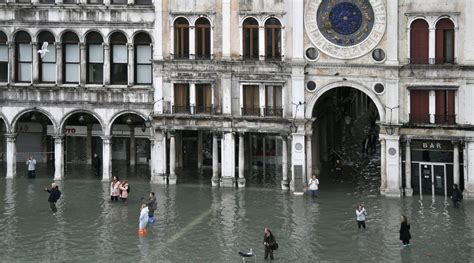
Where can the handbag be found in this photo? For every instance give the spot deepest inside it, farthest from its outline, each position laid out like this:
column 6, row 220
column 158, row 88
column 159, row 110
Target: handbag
column 275, row 246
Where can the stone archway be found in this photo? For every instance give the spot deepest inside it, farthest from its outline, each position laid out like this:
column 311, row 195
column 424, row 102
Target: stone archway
column 344, row 128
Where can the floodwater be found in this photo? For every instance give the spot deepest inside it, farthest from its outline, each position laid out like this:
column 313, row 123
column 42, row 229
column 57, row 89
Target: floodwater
column 198, row 223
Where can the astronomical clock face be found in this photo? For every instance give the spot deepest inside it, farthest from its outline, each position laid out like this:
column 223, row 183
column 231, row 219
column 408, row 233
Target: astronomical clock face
column 345, row 29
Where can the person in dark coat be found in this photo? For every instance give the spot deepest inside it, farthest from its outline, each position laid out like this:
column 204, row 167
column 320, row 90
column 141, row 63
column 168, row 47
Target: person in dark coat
column 405, row 235
column 54, row 195
column 269, row 243
column 152, row 205
column 456, row 195
column 96, row 162
column 338, row 170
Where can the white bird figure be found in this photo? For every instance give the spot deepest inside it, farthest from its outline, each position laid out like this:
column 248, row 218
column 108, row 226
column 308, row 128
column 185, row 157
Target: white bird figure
column 43, row 49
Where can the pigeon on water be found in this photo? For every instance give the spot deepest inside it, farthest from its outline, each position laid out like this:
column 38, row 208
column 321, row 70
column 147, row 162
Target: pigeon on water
column 43, row 49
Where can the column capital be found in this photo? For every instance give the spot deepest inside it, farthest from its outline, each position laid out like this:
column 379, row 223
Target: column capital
column 106, row 138
column 105, row 45
column 59, row 137
column 82, row 45
column 130, row 46
column 407, row 141
column 34, row 43
column 11, row 137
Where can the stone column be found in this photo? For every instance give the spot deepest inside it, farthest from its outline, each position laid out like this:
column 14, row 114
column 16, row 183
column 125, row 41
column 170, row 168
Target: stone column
column 11, row 59
column 133, row 148
column 106, row 71
column 59, row 157
column 432, row 105
column 172, row 177
column 199, row 149
column 456, row 177
column 226, row 13
column 192, row 98
column 59, row 63
column 383, row 166
column 11, row 155
column 298, row 159
column 158, row 158
column 36, row 62
column 241, row 180
column 192, row 42
column 89, row 144
column 261, row 42
column 261, row 95
column 215, row 161
column 392, row 157
column 469, row 163
column 83, row 65
column 228, row 160
column 106, row 158
column 309, row 158
column 130, row 2
column 131, row 64
column 431, row 45
column 284, row 163
column 58, row 2
column 408, row 187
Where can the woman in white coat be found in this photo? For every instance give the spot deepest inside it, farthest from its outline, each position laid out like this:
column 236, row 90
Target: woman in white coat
column 143, row 220
column 361, row 213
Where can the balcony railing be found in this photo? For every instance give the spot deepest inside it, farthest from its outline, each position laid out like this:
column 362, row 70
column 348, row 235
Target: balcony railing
column 441, row 119
column 445, row 119
column 202, row 56
column 204, row 110
column 181, row 109
column 419, row 119
column 445, row 60
column 418, row 60
column 250, row 111
column 274, row 111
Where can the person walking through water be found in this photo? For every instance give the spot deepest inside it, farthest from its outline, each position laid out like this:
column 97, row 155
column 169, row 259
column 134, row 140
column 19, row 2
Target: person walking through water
column 152, row 206
column 54, row 195
column 96, row 164
column 31, row 164
column 361, row 213
column 456, row 195
column 405, row 235
column 143, row 220
column 124, row 190
column 269, row 243
column 338, row 170
column 313, row 185
column 114, row 188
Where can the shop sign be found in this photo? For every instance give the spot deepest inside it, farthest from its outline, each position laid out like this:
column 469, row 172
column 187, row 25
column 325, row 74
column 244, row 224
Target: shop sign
column 432, row 145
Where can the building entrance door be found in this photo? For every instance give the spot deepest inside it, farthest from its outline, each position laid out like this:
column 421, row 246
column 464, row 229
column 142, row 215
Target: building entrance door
column 433, row 179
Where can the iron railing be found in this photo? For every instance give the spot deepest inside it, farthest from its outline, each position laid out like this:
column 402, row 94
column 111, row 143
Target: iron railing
column 445, row 119
column 250, row 111
column 182, row 109
column 274, row 111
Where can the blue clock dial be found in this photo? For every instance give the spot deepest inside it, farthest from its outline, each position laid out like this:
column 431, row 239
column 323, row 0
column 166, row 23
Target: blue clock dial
column 345, row 22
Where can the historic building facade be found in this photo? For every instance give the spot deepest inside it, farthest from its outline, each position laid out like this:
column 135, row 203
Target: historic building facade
column 239, row 86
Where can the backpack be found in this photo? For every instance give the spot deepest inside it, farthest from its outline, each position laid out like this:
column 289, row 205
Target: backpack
column 128, row 189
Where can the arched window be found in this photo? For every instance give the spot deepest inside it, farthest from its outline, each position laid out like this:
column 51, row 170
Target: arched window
column 119, row 59
column 143, row 69
column 181, row 38
column 250, row 38
column 3, row 57
column 47, row 65
column 444, row 41
column 419, row 43
column 23, row 57
column 95, row 58
column 203, row 38
column 71, row 65
column 273, row 39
